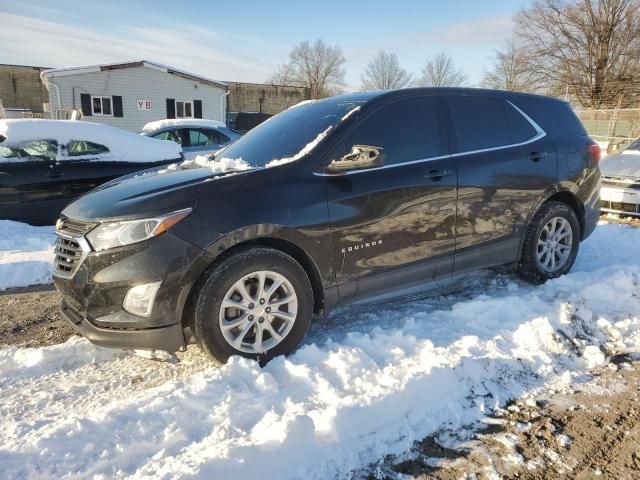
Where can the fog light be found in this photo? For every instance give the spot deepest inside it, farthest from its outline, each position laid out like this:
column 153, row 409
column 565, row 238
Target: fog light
column 139, row 300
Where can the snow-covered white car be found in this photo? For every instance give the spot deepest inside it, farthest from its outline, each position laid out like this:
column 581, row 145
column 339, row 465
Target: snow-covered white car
column 45, row 164
column 620, row 192
column 197, row 136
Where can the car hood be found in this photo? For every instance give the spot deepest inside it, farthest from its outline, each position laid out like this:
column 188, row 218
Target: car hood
column 626, row 164
column 147, row 193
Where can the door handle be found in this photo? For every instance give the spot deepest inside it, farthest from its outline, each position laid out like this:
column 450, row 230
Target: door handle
column 537, row 156
column 437, row 174
column 54, row 174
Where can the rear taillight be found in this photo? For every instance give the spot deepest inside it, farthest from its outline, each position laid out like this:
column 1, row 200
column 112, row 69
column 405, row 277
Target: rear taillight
column 594, row 150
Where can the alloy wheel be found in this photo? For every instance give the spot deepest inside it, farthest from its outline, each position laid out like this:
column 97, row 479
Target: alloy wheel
column 258, row 312
column 554, row 244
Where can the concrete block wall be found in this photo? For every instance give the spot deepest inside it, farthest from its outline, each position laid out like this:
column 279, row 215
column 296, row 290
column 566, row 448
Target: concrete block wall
column 257, row 97
column 21, row 87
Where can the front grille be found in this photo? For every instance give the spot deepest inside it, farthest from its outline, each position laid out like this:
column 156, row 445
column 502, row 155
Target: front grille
column 70, row 247
column 68, row 254
column 619, row 206
column 74, row 228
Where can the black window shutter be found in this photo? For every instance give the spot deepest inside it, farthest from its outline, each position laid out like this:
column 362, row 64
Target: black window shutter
column 171, row 108
column 85, row 104
column 197, row 108
column 117, row 105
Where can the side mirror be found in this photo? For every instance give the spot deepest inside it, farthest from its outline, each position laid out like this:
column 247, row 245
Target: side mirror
column 361, row 157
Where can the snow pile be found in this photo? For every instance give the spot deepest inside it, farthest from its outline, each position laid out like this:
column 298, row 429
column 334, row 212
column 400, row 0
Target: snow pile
column 217, row 165
column 305, row 150
column 366, row 384
column 26, row 254
column 20, row 363
column 180, row 122
column 123, row 146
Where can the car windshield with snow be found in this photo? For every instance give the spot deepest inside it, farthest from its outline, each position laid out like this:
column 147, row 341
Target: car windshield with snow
column 45, row 164
column 328, row 202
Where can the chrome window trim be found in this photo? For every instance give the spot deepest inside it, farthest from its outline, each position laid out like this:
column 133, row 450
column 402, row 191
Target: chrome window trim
column 540, row 133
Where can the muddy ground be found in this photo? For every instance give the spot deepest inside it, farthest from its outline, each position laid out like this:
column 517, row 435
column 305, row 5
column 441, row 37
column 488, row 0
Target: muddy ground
column 590, row 433
column 32, row 318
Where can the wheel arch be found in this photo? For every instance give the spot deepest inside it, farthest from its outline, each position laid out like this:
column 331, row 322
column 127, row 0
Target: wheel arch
column 569, row 198
column 566, row 196
column 229, row 244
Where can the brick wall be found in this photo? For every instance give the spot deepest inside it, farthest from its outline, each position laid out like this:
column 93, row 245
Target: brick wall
column 257, row 97
column 21, row 87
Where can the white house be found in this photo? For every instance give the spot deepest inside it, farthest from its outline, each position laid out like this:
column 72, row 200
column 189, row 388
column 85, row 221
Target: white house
column 129, row 95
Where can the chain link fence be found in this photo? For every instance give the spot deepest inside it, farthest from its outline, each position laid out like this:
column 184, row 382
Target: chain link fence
column 614, row 129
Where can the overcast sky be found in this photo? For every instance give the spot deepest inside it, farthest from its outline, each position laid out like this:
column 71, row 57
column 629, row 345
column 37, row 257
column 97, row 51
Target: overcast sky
column 244, row 41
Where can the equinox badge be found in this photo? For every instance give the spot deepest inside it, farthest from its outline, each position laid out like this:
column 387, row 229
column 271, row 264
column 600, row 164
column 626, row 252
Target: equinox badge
column 361, row 246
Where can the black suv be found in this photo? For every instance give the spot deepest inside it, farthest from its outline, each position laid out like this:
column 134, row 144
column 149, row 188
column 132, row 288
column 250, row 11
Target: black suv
column 327, row 202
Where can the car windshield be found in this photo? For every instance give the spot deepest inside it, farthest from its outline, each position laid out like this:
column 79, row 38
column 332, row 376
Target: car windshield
column 635, row 145
column 288, row 133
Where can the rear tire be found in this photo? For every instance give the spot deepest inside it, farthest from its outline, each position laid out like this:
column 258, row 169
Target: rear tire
column 256, row 303
column 551, row 243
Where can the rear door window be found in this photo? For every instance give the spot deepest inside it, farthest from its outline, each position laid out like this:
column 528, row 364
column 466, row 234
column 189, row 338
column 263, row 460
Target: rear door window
column 479, row 122
column 405, row 129
column 202, row 137
column 173, row 135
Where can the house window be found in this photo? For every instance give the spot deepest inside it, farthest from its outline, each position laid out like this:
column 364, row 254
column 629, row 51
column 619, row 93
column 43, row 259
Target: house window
column 101, row 106
column 184, row 109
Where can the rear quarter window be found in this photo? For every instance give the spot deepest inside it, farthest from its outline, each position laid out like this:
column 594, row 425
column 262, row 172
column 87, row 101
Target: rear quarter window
column 554, row 116
column 521, row 129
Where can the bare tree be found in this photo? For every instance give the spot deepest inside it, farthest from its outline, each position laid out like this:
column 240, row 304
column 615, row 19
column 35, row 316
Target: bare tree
column 441, row 71
column 589, row 49
column 510, row 70
column 281, row 75
column 383, row 72
column 317, row 67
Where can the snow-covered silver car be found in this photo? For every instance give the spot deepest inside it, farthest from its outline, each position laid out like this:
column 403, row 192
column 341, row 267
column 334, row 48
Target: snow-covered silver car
column 620, row 192
column 196, row 135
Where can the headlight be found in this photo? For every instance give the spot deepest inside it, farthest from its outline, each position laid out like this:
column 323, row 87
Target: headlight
column 116, row 234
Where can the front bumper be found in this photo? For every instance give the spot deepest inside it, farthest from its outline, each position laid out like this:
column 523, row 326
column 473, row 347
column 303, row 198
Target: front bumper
column 169, row 338
column 93, row 295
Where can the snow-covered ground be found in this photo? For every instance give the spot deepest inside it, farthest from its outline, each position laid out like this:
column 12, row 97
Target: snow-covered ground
column 26, row 254
column 369, row 380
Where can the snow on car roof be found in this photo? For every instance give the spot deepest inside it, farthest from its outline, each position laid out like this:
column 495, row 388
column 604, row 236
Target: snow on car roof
column 181, row 122
column 124, row 146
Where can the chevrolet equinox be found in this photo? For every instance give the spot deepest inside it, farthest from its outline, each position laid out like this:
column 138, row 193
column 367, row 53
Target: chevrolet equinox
column 325, row 203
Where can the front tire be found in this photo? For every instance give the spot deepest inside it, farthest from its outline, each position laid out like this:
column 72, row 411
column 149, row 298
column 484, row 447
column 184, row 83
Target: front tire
column 551, row 243
column 256, row 303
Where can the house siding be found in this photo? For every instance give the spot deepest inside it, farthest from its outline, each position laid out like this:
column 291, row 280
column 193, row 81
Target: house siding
column 132, row 84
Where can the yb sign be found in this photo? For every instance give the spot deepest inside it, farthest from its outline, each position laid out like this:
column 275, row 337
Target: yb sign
column 144, row 104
